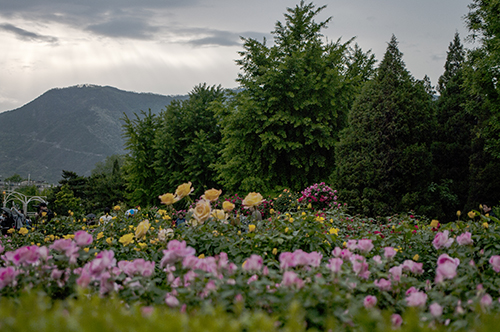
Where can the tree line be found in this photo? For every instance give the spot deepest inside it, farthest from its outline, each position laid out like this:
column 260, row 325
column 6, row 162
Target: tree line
column 309, row 110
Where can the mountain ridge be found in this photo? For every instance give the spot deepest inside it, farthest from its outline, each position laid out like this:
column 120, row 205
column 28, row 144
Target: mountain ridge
column 69, row 128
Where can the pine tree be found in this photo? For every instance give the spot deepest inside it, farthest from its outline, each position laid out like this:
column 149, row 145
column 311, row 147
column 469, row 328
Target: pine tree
column 383, row 157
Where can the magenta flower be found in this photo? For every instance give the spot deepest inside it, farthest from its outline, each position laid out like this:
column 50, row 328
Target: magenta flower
column 486, row 300
column 176, row 251
column 352, row 245
column 365, row 245
column 360, row 266
column 25, row 255
column 335, row 264
column 383, row 284
column 396, row 320
column 464, row 239
column 495, row 263
column 254, row 263
column 389, row 252
column 83, row 238
column 416, row 299
column 435, row 309
column 286, row 260
column 171, row 300
column 7, row 276
column 447, row 268
column 413, row 267
column 335, row 252
column 103, row 261
column 396, row 273
column 290, row 279
column 370, row 301
column 441, row 240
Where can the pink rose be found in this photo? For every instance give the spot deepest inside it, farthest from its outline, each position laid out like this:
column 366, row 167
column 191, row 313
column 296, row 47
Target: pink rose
column 416, row 299
column 464, row 239
column 441, row 240
column 495, row 263
column 435, row 309
column 370, row 301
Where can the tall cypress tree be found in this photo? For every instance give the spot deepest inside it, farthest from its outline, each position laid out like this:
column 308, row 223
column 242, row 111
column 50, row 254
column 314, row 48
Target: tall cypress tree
column 383, row 157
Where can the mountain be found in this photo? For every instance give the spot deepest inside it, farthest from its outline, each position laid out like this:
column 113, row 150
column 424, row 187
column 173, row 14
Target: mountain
column 69, row 129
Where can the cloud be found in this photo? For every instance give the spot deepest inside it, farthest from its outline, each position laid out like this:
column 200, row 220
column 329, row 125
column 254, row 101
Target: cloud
column 124, row 28
column 27, row 35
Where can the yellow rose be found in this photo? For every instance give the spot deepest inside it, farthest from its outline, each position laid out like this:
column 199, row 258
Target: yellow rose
column 127, row 239
column 167, row 199
column 227, row 206
column 86, row 249
column 100, row 235
column 434, row 223
column 251, row 228
column 275, row 251
column 212, row 194
column 201, row 211
column 252, row 199
column 334, row 231
column 485, row 225
column 471, row 214
column 286, row 229
column 109, row 240
column 69, row 236
column 142, row 229
column 183, row 190
column 23, row 231
column 117, row 208
column 201, row 256
column 219, row 214
column 142, row 245
column 416, row 257
column 459, row 213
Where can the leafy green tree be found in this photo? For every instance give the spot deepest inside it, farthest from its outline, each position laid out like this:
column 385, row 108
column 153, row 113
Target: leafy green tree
column 14, row 178
column 139, row 171
column 452, row 144
column 66, row 201
column 187, row 142
column 281, row 129
column 482, row 75
column 383, row 157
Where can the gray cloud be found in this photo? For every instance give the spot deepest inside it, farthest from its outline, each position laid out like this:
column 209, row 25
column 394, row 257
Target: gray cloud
column 27, row 35
column 124, row 28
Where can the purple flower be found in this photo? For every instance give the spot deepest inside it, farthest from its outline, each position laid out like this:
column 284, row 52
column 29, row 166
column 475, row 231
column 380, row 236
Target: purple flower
column 370, row 301
column 464, row 239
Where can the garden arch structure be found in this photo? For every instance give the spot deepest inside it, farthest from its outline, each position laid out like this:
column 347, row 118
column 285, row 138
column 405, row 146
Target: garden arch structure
column 11, row 195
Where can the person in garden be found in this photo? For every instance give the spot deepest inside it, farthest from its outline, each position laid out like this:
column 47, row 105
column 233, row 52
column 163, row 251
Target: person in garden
column 103, row 221
column 488, row 211
column 43, row 213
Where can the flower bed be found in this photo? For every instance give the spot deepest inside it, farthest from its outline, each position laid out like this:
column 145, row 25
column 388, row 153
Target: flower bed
column 335, row 265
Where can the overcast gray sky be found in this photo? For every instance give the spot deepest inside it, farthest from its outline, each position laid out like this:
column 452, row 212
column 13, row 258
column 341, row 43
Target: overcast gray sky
column 169, row 46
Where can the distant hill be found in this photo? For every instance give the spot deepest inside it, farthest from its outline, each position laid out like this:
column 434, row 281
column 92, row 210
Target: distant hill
column 69, row 128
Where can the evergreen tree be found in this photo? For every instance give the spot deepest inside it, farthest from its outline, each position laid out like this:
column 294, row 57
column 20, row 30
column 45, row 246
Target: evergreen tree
column 383, row 157
column 187, row 142
column 482, row 75
column 452, row 146
column 281, row 129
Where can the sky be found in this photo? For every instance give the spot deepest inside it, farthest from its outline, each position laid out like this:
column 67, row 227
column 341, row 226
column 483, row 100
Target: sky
column 170, row 46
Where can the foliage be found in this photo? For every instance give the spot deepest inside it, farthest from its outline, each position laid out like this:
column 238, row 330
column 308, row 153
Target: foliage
column 66, row 201
column 280, row 130
column 452, row 147
column 383, row 158
column 187, row 141
column 481, row 81
column 139, row 171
